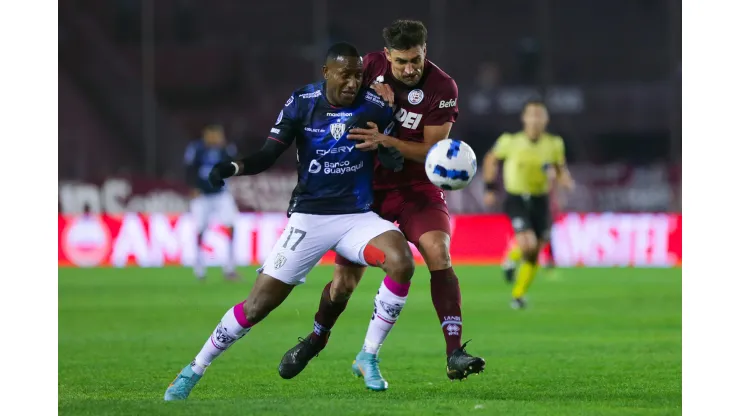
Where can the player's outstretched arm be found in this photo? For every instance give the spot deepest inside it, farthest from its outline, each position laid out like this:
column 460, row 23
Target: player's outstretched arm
column 490, row 173
column 563, row 177
column 491, row 168
column 562, row 174
column 370, row 138
column 253, row 164
column 418, row 151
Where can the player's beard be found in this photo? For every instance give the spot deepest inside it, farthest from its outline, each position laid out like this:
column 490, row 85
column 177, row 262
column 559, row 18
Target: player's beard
column 412, row 80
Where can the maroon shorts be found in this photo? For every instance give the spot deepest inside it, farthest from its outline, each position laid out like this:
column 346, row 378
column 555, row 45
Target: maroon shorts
column 417, row 209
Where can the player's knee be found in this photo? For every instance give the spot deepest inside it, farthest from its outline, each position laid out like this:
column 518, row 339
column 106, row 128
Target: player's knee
column 437, row 254
column 345, row 280
column 399, row 264
column 527, row 242
column 530, row 255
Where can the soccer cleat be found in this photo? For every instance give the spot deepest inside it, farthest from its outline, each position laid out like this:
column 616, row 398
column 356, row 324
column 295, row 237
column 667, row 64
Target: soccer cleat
column 509, row 269
column 366, row 366
column 182, row 385
column 297, row 358
column 460, row 364
column 518, row 303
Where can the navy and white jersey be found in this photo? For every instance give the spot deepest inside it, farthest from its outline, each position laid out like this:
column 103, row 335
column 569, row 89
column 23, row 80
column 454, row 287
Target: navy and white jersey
column 333, row 176
column 199, row 160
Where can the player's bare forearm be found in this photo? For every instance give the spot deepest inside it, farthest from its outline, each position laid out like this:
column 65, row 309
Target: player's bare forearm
column 490, row 167
column 563, row 178
column 416, row 151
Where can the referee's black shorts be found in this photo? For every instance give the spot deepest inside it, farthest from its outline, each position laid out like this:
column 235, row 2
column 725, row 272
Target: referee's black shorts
column 529, row 212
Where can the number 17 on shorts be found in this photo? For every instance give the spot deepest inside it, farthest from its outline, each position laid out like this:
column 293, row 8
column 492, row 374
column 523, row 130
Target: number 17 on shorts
column 308, row 237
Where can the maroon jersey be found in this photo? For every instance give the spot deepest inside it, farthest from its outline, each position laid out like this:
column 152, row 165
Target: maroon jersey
column 431, row 102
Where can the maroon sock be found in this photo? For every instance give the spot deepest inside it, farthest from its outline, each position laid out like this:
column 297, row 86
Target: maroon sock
column 326, row 316
column 447, row 300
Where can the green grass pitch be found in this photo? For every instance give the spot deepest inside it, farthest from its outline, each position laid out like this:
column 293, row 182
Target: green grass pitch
column 593, row 342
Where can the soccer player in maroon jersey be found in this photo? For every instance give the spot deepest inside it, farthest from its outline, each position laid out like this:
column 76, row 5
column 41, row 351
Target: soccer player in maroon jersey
column 426, row 107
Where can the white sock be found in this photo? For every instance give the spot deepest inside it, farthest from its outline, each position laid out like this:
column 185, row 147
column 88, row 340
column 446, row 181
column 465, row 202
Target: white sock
column 229, row 264
column 387, row 308
column 198, row 266
column 226, row 333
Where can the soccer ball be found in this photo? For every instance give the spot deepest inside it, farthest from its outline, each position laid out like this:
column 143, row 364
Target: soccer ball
column 451, row 164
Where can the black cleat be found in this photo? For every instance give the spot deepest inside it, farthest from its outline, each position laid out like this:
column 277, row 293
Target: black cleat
column 518, row 303
column 460, row 364
column 509, row 274
column 297, row 358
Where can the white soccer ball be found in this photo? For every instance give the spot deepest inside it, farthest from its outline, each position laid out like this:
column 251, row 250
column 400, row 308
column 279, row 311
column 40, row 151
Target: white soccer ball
column 451, row 164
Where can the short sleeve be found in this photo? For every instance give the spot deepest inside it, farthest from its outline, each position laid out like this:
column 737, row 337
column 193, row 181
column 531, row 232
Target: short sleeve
column 373, row 65
column 501, row 148
column 286, row 126
column 559, row 151
column 444, row 104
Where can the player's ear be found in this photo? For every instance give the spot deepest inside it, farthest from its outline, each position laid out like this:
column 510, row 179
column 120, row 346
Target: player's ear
column 387, row 53
column 424, row 48
column 325, row 71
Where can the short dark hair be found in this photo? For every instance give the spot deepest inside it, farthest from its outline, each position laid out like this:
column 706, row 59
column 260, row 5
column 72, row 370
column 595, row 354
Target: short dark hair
column 535, row 101
column 213, row 127
column 341, row 49
column 405, row 34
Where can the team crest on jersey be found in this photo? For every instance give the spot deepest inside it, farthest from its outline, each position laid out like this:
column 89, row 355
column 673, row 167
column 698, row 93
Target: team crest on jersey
column 415, row 96
column 280, row 117
column 337, row 130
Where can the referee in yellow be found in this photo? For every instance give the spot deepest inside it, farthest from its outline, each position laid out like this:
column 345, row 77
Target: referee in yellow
column 530, row 157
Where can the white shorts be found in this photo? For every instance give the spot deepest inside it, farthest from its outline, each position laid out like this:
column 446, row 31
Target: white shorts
column 220, row 207
column 308, row 237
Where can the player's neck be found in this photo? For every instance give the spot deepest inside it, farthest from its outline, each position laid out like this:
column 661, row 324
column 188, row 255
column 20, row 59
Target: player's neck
column 331, row 100
column 533, row 135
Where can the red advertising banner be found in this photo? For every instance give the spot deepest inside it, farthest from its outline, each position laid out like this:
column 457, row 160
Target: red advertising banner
column 595, row 240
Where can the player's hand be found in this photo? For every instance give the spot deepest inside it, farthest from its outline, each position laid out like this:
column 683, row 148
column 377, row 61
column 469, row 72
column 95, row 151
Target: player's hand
column 385, row 91
column 370, row 137
column 390, row 158
column 194, row 193
column 489, row 198
column 567, row 183
column 219, row 172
